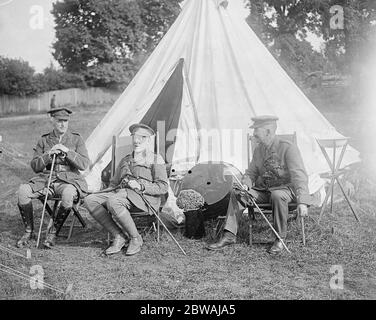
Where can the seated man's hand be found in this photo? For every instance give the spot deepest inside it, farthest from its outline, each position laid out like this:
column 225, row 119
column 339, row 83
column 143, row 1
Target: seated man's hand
column 61, row 147
column 134, row 184
column 247, row 182
column 54, row 151
column 302, row 210
column 46, row 191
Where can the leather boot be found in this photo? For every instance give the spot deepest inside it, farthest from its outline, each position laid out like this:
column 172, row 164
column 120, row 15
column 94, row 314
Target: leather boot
column 117, row 244
column 135, row 245
column 51, row 238
column 61, row 217
column 26, row 212
column 276, row 248
column 126, row 222
column 103, row 217
column 227, row 239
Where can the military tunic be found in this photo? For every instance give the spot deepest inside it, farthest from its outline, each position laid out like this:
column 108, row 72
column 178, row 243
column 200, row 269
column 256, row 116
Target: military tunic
column 279, row 166
column 66, row 169
column 150, row 172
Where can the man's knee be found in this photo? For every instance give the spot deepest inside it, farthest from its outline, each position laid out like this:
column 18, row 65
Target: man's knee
column 116, row 204
column 68, row 195
column 91, row 202
column 113, row 203
column 279, row 196
column 24, row 194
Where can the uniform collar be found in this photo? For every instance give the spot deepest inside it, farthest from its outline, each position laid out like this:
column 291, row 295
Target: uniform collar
column 146, row 159
column 54, row 135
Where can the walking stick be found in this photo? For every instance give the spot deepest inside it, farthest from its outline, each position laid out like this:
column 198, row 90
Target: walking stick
column 46, row 197
column 262, row 214
column 105, row 190
column 159, row 219
column 303, row 229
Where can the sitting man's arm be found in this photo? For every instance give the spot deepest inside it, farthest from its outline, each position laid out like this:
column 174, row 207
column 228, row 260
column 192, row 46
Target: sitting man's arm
column 159, row 185
column 117, row 177
column 79, row 157
column 41, row 158
column 299, row 179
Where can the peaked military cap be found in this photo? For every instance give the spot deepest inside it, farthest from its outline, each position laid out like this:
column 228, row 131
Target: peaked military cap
column 142, row 129
column 264, row 120
column 62, row 113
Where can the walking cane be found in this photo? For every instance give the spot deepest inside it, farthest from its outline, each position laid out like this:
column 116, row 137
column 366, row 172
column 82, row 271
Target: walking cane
column 303, row 229
column 46, row 198
column 159, row 219
column 259, row 210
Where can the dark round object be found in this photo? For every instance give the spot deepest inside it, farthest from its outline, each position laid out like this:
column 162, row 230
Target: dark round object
column 194, row 224
column 213, row 180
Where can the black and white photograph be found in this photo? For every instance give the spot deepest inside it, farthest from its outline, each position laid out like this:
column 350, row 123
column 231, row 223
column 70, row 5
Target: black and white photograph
column 187, row 155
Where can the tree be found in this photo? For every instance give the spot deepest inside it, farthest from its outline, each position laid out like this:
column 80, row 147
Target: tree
column 104, row 39
column 280, row 22
column 57, row 79
column 16, row 77
column 283, row 25
column 352, row 46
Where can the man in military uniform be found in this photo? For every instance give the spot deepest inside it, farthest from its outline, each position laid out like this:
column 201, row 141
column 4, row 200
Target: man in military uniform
column 276, row 175
column 66, row 180
column 142, row 171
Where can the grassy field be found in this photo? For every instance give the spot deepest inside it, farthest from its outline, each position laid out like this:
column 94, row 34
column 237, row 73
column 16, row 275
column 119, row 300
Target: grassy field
column 161, row 271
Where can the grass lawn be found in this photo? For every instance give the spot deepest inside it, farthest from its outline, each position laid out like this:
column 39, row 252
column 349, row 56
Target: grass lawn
column 160, row 270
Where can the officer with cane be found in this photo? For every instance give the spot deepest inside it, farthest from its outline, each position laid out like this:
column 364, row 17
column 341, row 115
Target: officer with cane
column 58, row 157
column 276, row 175
column 140, row 176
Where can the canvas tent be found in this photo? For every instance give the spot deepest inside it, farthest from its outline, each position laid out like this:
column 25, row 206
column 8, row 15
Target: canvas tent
column 204, row 81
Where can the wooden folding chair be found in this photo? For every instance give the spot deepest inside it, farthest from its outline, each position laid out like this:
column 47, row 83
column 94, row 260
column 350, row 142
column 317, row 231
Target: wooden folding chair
column 76, row 214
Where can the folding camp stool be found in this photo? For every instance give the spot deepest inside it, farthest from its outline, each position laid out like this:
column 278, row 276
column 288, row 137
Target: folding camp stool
column 76, row 214
column 335, row 171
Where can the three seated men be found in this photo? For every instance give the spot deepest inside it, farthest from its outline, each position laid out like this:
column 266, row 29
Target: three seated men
column 276, row 175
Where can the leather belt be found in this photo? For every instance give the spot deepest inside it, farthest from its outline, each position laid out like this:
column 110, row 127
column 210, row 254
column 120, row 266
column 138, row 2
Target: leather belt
column 61, row 168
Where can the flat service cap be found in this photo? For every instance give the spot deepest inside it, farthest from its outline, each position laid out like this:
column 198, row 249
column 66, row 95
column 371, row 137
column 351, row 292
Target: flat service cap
column 261, row 121
column 142, row 129
column 60, row 113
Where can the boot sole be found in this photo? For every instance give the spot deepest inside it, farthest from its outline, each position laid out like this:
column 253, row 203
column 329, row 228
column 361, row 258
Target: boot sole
column 274, row 253
column 132, row 253
column 111, row 253
column 221, row 247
